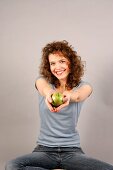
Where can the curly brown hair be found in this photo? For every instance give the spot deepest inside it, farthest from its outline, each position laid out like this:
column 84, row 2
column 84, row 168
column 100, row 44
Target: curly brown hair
column 76, row 65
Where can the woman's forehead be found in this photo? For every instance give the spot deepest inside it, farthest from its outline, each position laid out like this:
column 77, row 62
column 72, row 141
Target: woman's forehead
column 57, row 56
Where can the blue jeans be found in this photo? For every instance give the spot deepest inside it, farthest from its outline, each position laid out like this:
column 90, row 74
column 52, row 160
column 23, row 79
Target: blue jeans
column 48, row 158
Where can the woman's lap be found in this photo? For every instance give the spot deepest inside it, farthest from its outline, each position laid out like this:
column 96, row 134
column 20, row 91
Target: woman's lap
column 54, row 160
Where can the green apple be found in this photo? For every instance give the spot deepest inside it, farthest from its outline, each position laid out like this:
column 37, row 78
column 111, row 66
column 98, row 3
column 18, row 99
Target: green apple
column 57, row 99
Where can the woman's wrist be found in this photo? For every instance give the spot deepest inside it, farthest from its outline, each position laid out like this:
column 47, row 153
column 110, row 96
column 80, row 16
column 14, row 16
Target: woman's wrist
column 47, row 91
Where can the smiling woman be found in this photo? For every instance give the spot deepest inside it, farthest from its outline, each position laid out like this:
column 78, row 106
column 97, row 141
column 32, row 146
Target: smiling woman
column 60, row 59
column 58, row 144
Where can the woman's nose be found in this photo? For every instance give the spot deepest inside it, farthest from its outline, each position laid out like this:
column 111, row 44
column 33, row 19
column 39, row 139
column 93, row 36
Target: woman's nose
column 57, row 66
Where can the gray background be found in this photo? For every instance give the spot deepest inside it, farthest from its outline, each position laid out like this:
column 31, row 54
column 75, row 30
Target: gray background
column 25, row 27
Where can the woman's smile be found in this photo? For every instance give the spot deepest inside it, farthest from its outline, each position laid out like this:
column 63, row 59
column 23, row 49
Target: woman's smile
column 60, row 72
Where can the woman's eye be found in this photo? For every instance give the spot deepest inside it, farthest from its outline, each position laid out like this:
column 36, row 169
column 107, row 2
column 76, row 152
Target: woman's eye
column 52, row 64
column 62, row 61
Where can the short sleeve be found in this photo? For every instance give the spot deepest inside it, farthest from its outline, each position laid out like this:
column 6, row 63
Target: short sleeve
column 82, row 83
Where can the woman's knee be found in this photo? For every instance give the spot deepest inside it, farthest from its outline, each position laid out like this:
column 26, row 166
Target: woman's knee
column 11, row 165
column 8, row 165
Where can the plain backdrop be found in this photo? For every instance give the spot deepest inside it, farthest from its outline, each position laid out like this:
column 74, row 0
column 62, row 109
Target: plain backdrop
column 25, row 27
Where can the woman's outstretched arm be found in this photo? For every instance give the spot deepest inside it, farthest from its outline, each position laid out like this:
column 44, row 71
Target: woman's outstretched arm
column 45, row 90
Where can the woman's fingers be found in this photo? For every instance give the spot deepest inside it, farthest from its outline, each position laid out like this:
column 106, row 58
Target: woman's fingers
column 65, row 99
column 49, row 105
column 62, row 106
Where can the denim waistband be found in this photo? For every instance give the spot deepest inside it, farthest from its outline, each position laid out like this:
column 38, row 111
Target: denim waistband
column 41, row 148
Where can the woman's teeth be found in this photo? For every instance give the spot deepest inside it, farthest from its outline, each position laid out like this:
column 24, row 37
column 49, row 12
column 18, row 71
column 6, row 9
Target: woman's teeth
column 59, row 72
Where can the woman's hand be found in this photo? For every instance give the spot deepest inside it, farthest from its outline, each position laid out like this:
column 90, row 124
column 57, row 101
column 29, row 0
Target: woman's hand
column 66, row 100
column 48, row 101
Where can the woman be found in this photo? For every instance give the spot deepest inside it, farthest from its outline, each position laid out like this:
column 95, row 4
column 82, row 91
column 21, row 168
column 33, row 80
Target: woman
column 58, row 144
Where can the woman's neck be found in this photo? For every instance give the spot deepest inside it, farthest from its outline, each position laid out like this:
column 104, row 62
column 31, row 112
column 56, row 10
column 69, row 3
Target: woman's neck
column 62, row 87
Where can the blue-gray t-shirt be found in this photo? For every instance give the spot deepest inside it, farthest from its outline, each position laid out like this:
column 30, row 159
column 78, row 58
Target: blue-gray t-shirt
column 59, row 128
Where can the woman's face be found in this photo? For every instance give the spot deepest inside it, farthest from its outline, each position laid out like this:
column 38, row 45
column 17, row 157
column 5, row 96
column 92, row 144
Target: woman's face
column 59, row 66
